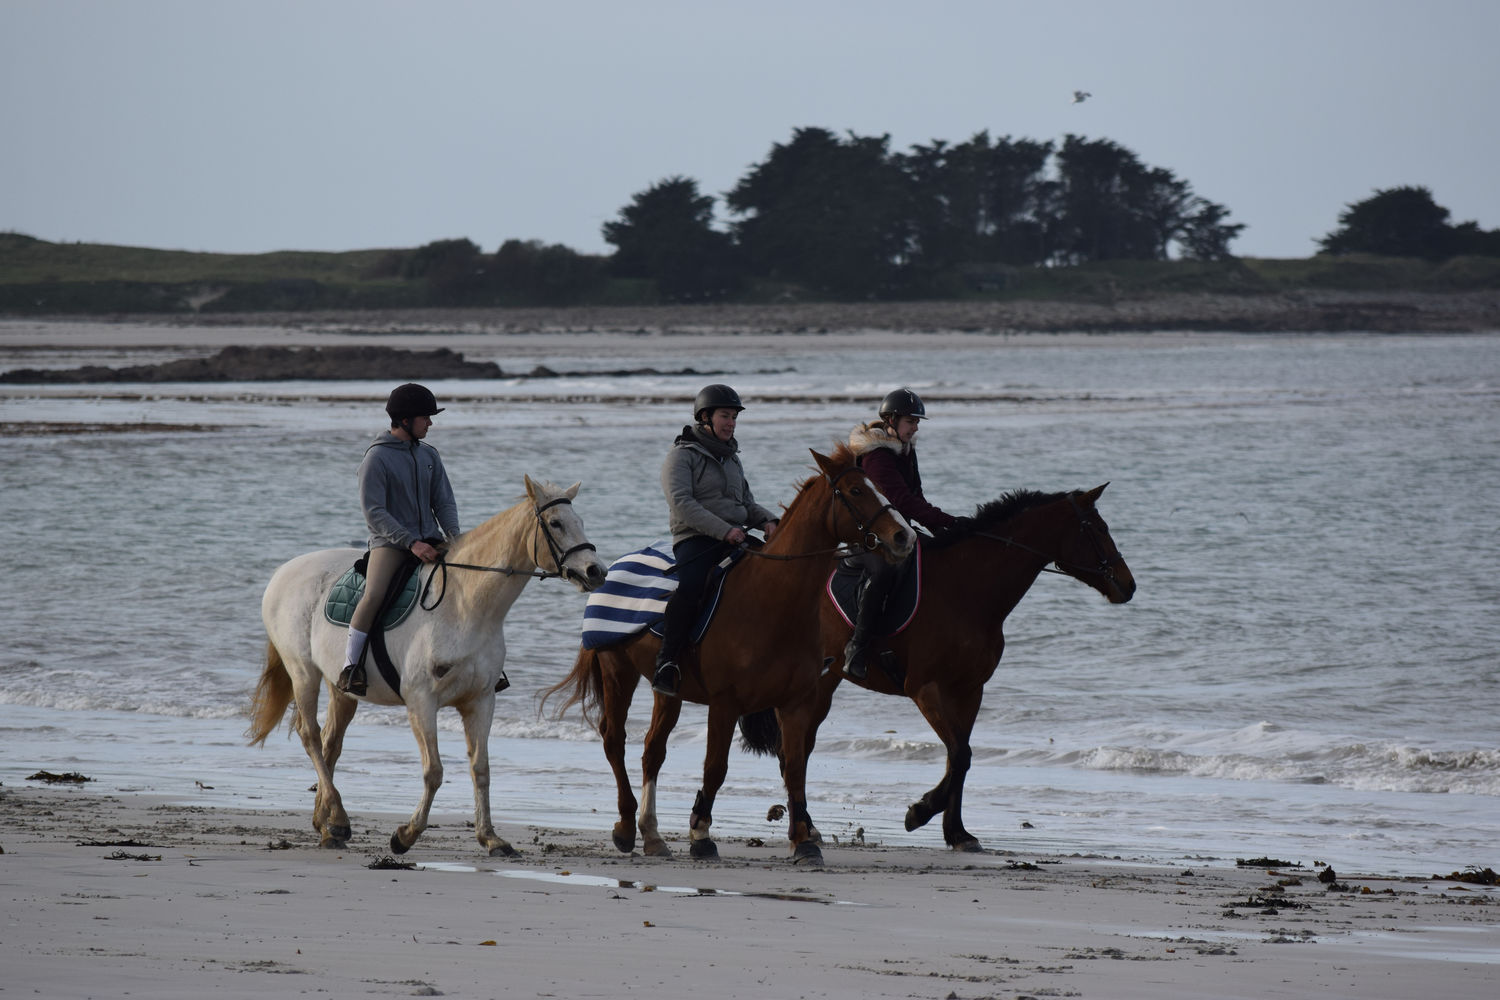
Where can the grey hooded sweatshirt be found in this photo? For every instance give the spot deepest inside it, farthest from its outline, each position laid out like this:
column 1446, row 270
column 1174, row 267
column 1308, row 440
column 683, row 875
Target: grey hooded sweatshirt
column 707, row 493
column 405, row 493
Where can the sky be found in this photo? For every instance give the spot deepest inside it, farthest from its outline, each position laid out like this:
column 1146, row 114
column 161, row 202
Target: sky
column 246, row 126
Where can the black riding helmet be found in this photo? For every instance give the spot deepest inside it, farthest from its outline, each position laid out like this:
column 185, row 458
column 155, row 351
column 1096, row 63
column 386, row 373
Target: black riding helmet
column 411, row 400
column 713, row 397
column 902, row 403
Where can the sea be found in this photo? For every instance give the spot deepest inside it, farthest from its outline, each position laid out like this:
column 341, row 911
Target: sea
column 1308, row 671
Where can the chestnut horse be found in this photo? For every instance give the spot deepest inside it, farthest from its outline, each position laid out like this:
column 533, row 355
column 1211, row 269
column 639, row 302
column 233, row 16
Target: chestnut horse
column 761, row 653
column 971, row 579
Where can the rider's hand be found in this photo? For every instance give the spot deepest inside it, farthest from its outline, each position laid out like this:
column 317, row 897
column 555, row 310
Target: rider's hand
column 735, row 535
column 424, row 552
column 770, row 529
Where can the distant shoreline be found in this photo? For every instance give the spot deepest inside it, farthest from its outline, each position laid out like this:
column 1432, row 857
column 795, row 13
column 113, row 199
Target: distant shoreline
column 1291, row 312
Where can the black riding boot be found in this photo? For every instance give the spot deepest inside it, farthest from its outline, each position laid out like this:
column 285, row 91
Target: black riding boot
column 871, row 603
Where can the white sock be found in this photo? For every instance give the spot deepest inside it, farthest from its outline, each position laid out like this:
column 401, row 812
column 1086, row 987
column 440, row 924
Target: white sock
column 356, row 646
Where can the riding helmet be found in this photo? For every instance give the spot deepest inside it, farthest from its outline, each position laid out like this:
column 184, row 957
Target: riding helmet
column 902, row 403
column 716, row 396
column 411, row 400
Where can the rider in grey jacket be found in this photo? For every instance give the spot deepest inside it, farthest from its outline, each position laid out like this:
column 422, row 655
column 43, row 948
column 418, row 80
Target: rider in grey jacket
column 710, row 506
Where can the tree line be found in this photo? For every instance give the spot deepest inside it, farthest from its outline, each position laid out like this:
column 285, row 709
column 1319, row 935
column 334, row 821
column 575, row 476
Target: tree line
column 846, row 216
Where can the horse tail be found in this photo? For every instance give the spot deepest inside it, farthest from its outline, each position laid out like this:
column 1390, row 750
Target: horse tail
column 760, row 733
column 272, row 695
column 585, row 686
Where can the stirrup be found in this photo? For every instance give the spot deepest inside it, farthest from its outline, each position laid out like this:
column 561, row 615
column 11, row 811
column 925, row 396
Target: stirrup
column 352, row 679
column 668, row 679
column 854, row 661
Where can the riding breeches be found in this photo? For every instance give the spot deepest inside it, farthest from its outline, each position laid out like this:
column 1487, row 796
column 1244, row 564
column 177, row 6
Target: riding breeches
column 696, row 558
column 384, row 563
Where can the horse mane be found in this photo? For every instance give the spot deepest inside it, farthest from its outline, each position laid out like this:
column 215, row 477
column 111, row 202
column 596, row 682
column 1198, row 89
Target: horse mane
column 492, row 541
column 995, row 515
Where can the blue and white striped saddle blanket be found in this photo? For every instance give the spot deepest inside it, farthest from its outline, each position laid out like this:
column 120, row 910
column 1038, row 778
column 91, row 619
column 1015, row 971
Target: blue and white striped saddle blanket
column 634, row 597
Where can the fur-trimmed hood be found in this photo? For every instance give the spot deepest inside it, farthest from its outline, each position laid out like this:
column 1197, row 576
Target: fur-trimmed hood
column 866, row 438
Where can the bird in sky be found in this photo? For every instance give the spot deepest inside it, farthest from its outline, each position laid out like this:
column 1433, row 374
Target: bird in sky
column 1079, row 96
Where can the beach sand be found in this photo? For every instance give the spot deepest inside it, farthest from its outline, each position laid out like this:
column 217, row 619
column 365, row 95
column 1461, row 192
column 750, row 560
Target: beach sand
column 115, row 894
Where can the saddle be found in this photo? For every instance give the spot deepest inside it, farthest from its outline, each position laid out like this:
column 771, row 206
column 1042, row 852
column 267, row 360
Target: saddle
column 847, row 580
column 344, row 597
column 397, row 606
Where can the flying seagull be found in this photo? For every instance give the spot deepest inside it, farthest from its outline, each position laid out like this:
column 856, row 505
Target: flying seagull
column 1079, row 96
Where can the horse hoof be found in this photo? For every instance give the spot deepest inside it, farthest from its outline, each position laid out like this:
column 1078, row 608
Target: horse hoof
column 807, row 853
column 504, row 850
column 339, row 833
column 397, row 847
column 656, row 849
column 624, row 843
column 704, row 850
column 970, row 846
column 916, row 817
column 333, row 844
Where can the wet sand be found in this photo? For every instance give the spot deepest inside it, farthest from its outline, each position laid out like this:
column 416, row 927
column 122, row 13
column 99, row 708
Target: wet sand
column 115, row 894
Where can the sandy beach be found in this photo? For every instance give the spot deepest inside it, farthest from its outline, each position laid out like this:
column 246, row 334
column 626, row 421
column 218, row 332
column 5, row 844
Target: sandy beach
column 115, row 894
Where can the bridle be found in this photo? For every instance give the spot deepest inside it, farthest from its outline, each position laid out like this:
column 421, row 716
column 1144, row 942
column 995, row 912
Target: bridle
column 1106, row 562
column 871, row 541
column 554, row 548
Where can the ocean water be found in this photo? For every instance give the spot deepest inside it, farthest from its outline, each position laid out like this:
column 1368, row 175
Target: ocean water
column 1307, row 672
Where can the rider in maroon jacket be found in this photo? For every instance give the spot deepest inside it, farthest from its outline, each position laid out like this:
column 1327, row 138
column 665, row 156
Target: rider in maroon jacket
column 887, row 453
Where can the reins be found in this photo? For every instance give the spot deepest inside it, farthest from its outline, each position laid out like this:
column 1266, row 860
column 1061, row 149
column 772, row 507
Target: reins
column 871, row 540
column 1106, row 563
column 558, row 553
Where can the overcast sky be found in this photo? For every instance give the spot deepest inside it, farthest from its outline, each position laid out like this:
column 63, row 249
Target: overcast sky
column 257, row 125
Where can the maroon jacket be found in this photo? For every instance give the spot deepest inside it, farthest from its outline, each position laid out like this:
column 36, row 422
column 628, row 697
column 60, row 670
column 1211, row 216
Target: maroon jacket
column 892, row 467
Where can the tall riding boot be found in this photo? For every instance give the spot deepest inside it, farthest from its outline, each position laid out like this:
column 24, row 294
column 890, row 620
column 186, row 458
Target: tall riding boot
column 871, row 606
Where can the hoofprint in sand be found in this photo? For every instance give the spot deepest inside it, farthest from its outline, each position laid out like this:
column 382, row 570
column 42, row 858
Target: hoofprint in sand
column 119, row 894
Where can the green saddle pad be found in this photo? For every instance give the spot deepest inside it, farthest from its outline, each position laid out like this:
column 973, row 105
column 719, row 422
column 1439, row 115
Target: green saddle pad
column 342, row 599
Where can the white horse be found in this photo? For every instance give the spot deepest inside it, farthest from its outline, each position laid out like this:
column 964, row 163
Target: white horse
column 453, row 654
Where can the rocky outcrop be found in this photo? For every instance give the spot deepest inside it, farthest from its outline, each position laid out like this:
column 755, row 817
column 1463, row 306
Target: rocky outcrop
column 276, row 364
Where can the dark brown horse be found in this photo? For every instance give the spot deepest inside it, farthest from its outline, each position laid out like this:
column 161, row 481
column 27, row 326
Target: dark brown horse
column 761, row 653
column 971, row 580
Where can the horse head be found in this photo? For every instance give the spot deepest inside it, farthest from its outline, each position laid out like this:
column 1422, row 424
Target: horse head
column 1089, row 554
column 560, row 532
column 868, row 517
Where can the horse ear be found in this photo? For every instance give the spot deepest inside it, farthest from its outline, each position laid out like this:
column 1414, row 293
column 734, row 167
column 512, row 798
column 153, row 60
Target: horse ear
column 572, row 491
column 824, row 462
column 1095, row 492
column 530, row 488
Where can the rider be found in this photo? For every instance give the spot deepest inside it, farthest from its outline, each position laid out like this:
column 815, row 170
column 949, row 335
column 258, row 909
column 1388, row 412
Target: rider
column 409, row 508
column 710, row 506
column 886, row 450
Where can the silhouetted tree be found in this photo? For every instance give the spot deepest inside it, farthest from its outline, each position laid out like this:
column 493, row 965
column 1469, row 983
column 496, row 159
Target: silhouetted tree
column 530, row 272
column 666, row 234
column 825, row 212
column 1399, row 222
column 977, row 201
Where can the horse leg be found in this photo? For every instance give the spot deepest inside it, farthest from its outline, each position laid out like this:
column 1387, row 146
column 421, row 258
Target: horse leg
column 329, row 818
column 341, row 709
column 664, row 715
column 953, row 722
column 721, row 720
column 618, row 680
column 796, row 748
column 422, row 714
column 477, row 716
